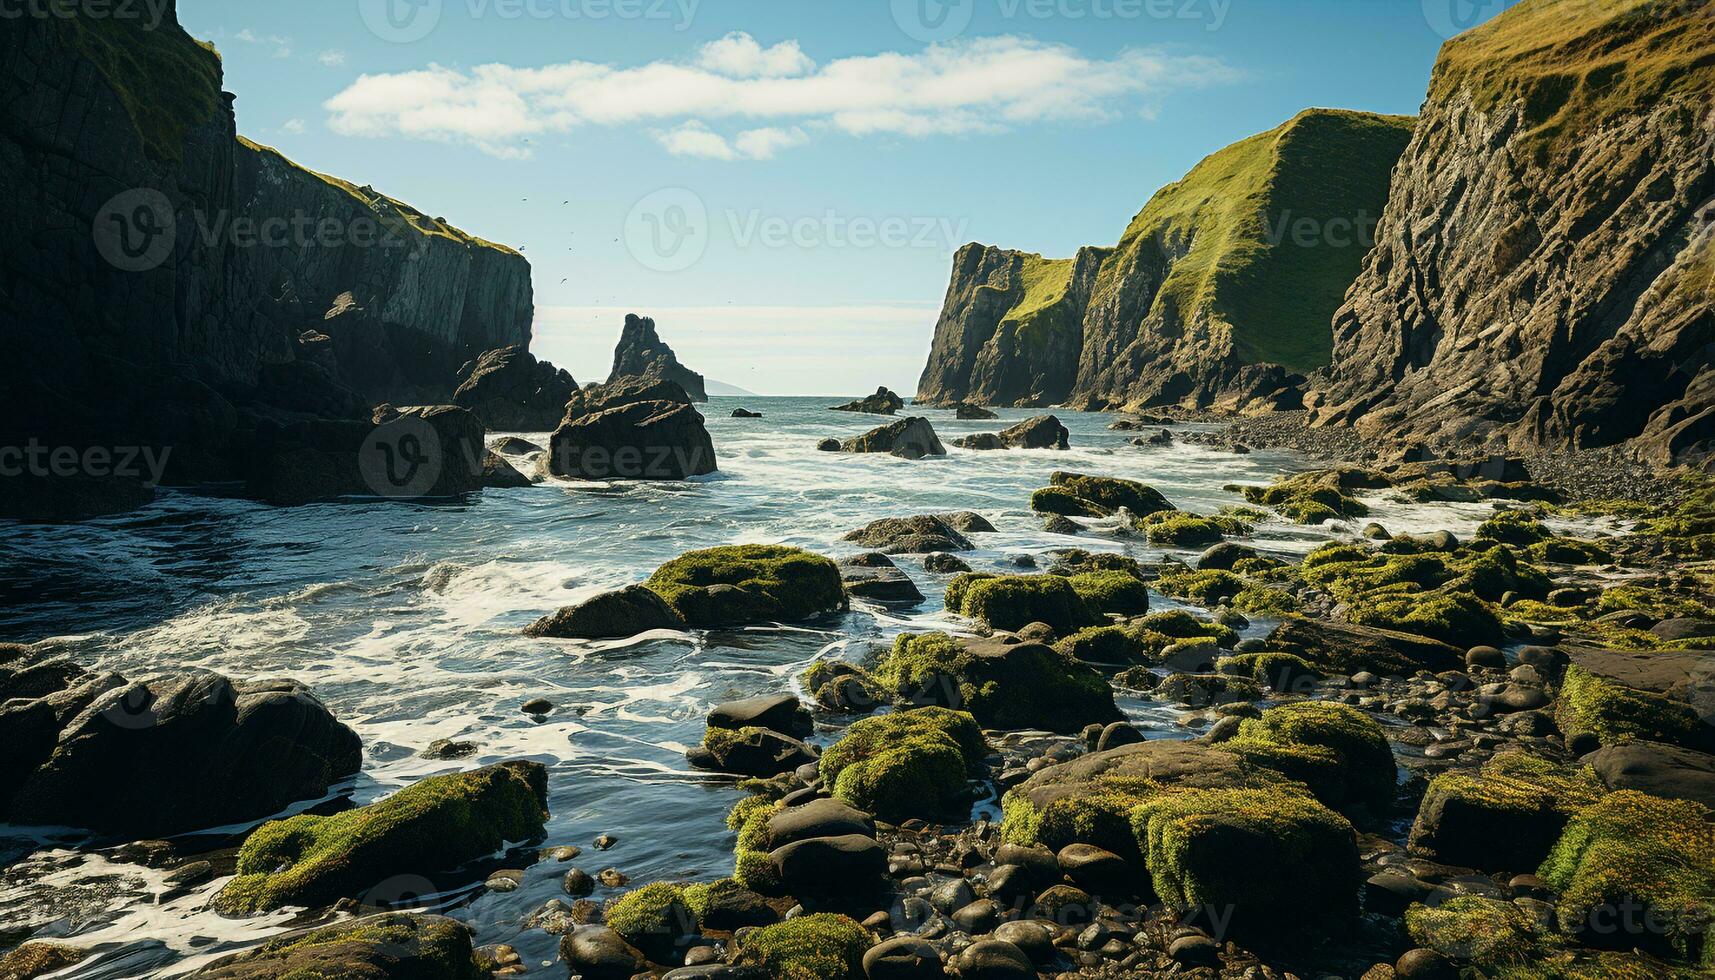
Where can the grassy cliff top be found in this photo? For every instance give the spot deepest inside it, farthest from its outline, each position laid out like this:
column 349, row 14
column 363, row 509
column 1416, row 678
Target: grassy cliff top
column 1233, row 217
column 381, row 204
column 168, row 81
column 1578, row 65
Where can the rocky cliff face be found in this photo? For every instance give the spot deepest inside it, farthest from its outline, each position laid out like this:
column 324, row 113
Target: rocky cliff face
column 1544, row 267
column 1220, row 290
column 641, row 354
column 159, row 275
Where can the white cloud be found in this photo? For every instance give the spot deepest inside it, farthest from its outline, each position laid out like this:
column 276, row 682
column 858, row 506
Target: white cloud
column 980, row 85
column 293, row 126
column 332, row 58
column 740, row 56
column 282, row 45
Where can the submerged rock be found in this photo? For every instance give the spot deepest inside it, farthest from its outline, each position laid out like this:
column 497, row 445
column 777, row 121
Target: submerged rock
column 918, row 535
column 883, row 402
column 874, row 576
column 1041, row 432
column 611, row 615
column 393, row 944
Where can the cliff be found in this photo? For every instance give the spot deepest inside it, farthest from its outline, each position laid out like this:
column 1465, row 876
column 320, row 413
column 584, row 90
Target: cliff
column 1221, row 286
column 642, row 354
column 160, row 277
column 1544, row 264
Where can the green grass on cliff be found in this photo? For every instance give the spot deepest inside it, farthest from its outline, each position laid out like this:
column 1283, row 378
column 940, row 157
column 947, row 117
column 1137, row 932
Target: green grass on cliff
column 1577, row 64
column 1041, row 313
column 386, row 208
column 168, row 81
column 1277, row 226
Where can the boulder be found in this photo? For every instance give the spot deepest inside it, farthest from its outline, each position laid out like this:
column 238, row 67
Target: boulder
column 1041, row 432
column 972, row 413
column 610, row 615
column 596, row 952
column 994, row 959
column 739, row 585
column 511, row 391
column 745, row 413
column 918, row 535
column 883, row 402
column 1002, row 682
column 776, row 712
column 1504, row 817
column 642, row 354
column 750, row 751
column 1222, row 557
column 818, row 818
column 632, row 429
column 1347, row 649
column 911, row 438
column 316, row 860
column 414, row 453
column 875, row 577
column 499, row 474
column 378, row 947
column 171, row 754
column 852, row 864
column 903, row 958
column 1668, row 771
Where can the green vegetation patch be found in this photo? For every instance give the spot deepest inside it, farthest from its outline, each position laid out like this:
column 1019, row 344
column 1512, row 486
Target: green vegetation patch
column 1179, row 529
column 1109, row 592
column 808, row 947
column 434, row 825
column 1338, row 751
column 1631, row 848
column 1078, row 495
column 1309, row 498
column 1012, row 602
column 167, row 81
column 653, row 917
column 1481, row 931
column 1615, row 713
column 907, row 764
column 1022, row 686
column 769, row 583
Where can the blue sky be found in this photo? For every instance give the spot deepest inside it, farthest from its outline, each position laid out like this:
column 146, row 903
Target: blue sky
column 782, row 183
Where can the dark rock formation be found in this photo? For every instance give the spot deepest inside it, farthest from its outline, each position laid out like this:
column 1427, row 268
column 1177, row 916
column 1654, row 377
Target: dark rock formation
column 164, row 756
column 1041, row 432
column 883, row 402
column 611, row 615
column 412, row 454
column 1188, row 308
column 1542, row 270
column 874, row 576
column 641, row 354
column 973, row 413
column 167, row 284
column 636, row 428
column 912, row 438
column 393, row 944
column 508, row 389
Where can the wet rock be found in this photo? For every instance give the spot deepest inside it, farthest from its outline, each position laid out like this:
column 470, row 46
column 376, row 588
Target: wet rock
column 820, row 818
column 577, row 883
column 923, row 534
column 1041, row 432
column 942, row 563
column 830, row 866
column 1488, row 658
column 1660, row 770
column 883, row 402
column 828, row 445
column 1224, row 556
column 781, row 713
column 510, row 390
column 744, row 413
column 631, row 429
column 750, row 752
column 1098, row 871
column 874, row 576
column 498, row 474
column 611, row 615
column 911, row 438
column 1055, row 524
column 599, row 953
column 537, row 706
column 992, row 959
column 904, row 958
column 951, row 896
column 393, row 944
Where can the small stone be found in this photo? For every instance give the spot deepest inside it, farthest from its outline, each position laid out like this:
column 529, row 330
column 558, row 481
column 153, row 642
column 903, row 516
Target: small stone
column 538, row 706
column 613, row 878
column 605, row 841
column 577, row 883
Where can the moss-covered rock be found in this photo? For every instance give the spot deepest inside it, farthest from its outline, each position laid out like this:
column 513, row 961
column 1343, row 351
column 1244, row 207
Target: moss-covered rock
column 655, row 918
column 741, row 584
column 1505, row 816
column 1003, row 685
column 726, row 905
column 1347, row 649
column 808, row 947
column 1311, row 498
column 1283, row 672
column 1109, row 494
column 842, row 687
column 35, row 959
column 1570, row 551
column 1337, row 750
column 1444, row 595
column 435, row 825
column 1012, row 602
column 1482, row 932
column 1177, row 529
column 907, row 764
column 1513, row 527
column 1614, row 713
column 752, row 866
column 1629, row 850
column 1111, row 592
column 1065, row 503
column 379, row 947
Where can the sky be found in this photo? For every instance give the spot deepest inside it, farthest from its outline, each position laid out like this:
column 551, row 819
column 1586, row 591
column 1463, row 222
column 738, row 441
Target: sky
column 782, row 183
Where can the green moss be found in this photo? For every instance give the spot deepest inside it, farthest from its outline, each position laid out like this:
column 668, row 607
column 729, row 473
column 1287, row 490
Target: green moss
column 699, row 896
column 433, row 949
column 1570, row 551
column 1054, row 500
column 1513, row 527
column 1629, row 848
column 1615, row 713
column 1445, row 595
column 1108, row 494
column 907, row 764
column 653, row 917
column 1308, row 498
column 434, row 825
column 1655, row 602
column 1481, row 931
column 1181, row 530
column 1102, row 819
column 1029, row 687
column 168, row 82
column 1114, row 645
column 1274, row 857
column 1012, row 602
column 1338, row 751
column 1118, row 593
column 1281, row 671
column 35, row 959
column 836, row 685
column 1457, row 619
column 773, row 583
column 808, row 947
column 1210, row 587
column 1520, row 781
